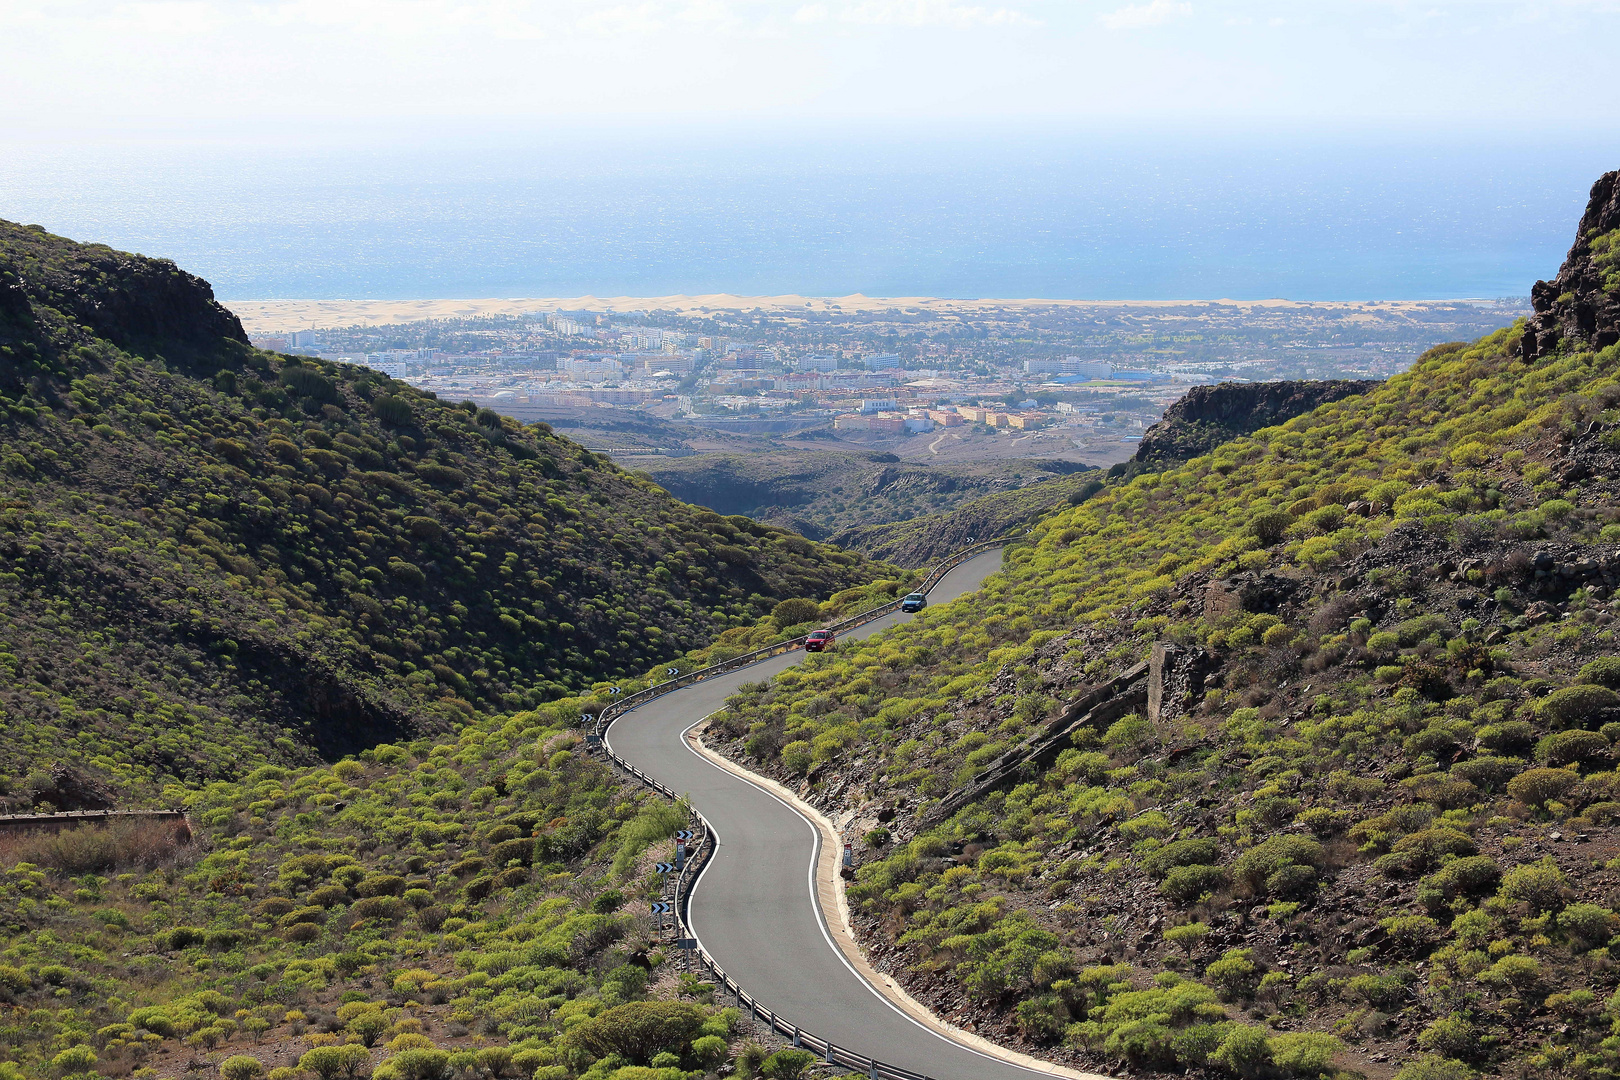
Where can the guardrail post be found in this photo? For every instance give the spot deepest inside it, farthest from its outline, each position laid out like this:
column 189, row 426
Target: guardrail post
column 796, row 1041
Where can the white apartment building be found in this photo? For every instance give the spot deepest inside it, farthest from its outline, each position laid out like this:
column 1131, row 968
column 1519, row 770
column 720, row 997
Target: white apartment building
column 590, row 370
column 1068, row 365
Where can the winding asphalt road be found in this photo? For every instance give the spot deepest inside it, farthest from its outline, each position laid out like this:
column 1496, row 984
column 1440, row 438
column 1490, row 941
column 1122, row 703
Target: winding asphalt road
column 754, row 908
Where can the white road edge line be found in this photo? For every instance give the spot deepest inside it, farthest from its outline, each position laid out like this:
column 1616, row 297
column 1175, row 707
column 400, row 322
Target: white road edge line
column 815, row 899
column 1034, row 1066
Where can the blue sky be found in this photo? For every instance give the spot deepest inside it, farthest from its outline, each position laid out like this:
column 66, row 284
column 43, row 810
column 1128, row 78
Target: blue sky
column 303, row 68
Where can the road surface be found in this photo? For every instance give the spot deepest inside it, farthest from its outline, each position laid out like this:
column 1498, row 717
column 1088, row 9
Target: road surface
column 754, row 907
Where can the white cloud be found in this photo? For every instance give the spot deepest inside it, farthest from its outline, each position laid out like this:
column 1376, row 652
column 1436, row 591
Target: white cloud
column 1141, row 16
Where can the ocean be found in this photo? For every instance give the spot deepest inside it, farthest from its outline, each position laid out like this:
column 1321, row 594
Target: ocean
column 985, row 213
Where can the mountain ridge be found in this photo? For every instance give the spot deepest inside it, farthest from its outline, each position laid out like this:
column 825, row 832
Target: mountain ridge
column 218, row 554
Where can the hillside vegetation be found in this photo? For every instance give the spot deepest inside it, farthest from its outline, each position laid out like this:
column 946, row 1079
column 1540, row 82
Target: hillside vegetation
column 1377, row 824
column 1220, row 412
column 470, row 909
column 213, row 557
column 827, row 494
column 923, row 540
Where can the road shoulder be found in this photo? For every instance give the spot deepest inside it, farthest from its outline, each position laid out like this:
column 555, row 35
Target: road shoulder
column 835, row 914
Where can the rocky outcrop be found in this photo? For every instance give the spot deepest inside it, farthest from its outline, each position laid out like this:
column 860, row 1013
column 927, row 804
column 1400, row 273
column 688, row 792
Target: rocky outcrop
column 142, row 305
column 1582, row 304
column 1211, row 415
column 67, row 788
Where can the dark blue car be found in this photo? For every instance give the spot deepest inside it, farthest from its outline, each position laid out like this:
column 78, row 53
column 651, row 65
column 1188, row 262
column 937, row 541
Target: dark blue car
column 914, row 602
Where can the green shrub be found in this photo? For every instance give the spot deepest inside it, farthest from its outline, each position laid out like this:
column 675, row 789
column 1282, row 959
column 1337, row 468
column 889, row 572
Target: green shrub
column 1576, row 706
column 788, row 1064
column 1188, row 935
column 655, row 822
column 1537, row 787
column 1255, row 866
column 1471, row 875
column 1245, row 1051
column 1587, row 924
column 1539, row 885
column 637, row 1030
column 1411, row 933
column 709, row 1052
column 1161, row 860
column 1487, row 773
column 1571, row 748
column 1235, row 974
column 1324, row 822
column 1434, row 1067
column 1451, row 1036
column 1043, row 1019
column 1379, row 991
column 1418, row 851
column 418, row 1063
column 1186, row 884
column 380, row 885
column 797, row 757
column 1516, row 970
column 1508, row 736
column 392, row 410
column 795, row 610
column 1604, row 671
column 74, row 1060
column 1304, row 1053
column 1268, row 526
column 241, row 1067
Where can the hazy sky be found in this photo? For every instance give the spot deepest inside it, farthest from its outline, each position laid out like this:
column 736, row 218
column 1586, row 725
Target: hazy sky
column 132, row 67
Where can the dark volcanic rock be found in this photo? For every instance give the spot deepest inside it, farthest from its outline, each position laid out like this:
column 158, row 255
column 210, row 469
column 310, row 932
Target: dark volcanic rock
column 72, row 789
column 1583, row 302
column 1211, row 415
column 141, row 305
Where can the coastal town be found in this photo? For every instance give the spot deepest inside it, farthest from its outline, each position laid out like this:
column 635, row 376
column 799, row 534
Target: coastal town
column 1085, row 383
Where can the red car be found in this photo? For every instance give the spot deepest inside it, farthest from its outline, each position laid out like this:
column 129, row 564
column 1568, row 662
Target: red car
column 819, row 641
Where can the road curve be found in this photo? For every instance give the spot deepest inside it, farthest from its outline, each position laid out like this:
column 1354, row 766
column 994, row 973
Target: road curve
column 755, row 909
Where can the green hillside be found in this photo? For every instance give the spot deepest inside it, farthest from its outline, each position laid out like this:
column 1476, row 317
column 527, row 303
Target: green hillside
column 923, row 540
column 213, row 556
column 471, row 908
column 838, row 495
column 1375, row 826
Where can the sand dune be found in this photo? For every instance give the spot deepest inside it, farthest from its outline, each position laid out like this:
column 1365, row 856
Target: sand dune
column 272, row 316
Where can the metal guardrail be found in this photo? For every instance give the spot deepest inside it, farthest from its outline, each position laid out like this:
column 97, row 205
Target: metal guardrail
column 825, row 1048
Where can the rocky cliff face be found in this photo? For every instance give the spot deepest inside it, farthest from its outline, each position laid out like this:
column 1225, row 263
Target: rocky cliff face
column 52, row 290
column 1211, row 415
column 1583, row 302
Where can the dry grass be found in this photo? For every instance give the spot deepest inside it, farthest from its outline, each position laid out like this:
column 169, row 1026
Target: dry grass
column 124, row 844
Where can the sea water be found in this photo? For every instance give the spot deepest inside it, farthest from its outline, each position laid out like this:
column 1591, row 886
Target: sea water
column 1028, row 213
